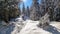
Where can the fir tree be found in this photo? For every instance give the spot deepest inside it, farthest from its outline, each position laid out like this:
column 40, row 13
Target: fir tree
column 28, row 12
column 23, row 9
column 35, row 11
column 8, row 9
column 57, row 12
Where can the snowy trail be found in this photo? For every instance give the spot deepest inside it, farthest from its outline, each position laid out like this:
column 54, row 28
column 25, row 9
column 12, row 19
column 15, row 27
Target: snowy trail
column 30, row 27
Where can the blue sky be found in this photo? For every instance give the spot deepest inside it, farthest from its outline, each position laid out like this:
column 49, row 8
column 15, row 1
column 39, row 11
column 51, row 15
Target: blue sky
column 26, row 3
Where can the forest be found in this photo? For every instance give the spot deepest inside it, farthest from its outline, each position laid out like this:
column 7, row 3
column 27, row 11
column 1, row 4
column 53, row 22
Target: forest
column 9, row 9
column 29, row 16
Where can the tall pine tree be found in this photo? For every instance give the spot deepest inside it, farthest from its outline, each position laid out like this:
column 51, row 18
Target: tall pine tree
column 23, row 9
column 35, row 11
column 57, row 12
column 28, row 12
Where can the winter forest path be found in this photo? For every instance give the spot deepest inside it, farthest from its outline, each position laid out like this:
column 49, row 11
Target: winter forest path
column 30, row 27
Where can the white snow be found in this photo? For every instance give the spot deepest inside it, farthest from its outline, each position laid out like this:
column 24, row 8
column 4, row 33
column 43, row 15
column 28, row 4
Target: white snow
column 56, row 24
column 30, row 27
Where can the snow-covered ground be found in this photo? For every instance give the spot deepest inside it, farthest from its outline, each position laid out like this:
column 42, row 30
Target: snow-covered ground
column 29, row 27
column 32, row 28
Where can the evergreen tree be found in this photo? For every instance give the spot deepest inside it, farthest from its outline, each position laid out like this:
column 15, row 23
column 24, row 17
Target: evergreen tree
column 35, row 11
column 28, row 12
column 57, row 13
column 8, row 9
column 49, row 6
column 23, row 12
column 23, row 9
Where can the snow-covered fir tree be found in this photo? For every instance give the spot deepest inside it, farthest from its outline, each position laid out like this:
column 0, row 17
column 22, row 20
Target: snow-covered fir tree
column 27, row 12
column 49, row 6
column 35, row 11
column 23, row 9
column 57, row 12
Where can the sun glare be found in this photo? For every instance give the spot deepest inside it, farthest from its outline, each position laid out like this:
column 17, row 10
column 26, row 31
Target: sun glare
column 24, row 0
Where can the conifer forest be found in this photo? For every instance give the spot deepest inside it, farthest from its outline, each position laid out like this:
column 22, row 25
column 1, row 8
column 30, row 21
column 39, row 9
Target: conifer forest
column 29, row 16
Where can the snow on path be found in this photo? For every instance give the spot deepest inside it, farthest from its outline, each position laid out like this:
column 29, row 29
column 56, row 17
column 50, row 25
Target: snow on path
column 31, row 28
